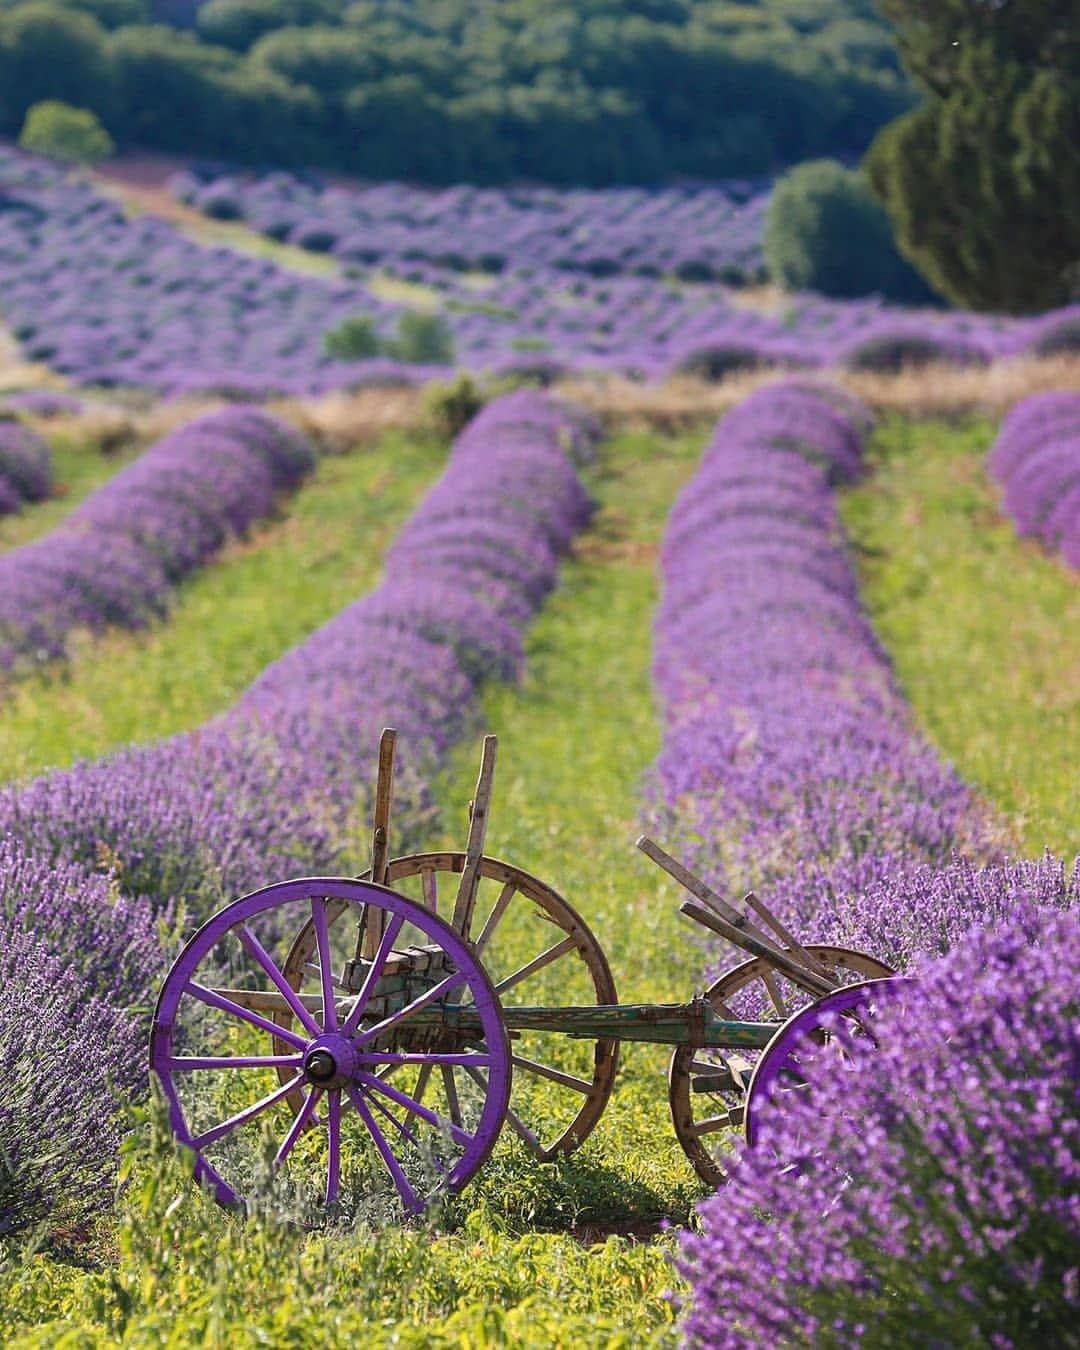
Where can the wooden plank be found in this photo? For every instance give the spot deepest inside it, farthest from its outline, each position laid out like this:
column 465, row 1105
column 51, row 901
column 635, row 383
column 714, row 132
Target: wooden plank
column 804, row 978
column 370, row 932
column 478, row 821
column 694, row 884
column 807, row 958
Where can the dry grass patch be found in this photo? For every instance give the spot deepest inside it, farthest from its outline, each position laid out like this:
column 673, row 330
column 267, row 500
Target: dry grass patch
column 681, row 403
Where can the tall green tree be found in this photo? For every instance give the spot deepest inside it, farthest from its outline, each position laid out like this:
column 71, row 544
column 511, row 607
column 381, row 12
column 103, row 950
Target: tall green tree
column 982, row 180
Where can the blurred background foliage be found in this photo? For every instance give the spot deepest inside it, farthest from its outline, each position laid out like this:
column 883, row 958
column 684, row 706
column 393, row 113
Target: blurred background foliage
column 594, row 91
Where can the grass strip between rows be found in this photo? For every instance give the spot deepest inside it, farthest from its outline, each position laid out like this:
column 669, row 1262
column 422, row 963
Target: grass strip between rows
column 983, row 628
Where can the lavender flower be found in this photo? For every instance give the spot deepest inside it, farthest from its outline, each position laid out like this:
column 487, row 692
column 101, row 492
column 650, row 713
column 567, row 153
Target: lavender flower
column 931, row 1190
column 75, row 960
column 1036, row 459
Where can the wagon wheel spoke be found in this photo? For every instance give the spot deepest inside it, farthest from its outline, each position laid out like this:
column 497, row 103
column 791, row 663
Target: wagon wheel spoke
column 213, row 999
column 429, row 882
column 326, row 972
column 425, row 1113
column 450, row 1088
column 378, row 965
column 254, row 948
column 248, row 1114
column 567, row 1080
column 300, row 1122
column 409, row 1198
column 422, row 1079
column 493, row 919
column 516, row 1123
column 537, row 964
column 431, row 995
column 186, row 1063
column 333, row 1131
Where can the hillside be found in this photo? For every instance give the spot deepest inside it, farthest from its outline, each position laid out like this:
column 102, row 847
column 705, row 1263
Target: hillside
column 459, row 91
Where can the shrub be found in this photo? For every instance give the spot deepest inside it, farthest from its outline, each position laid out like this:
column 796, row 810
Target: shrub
column 354, row 339
column 25, row 461
column 825, row 232
column 451, row 406
column 715, row 360
column 62, row 132
column 1058, row 339
column 891, row 352
column 423, row 339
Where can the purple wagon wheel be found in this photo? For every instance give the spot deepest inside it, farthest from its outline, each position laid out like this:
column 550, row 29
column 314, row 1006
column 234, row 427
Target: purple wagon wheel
column 706, row 1087
column 538, row 951
column 356, row 1144
column 807, row 1040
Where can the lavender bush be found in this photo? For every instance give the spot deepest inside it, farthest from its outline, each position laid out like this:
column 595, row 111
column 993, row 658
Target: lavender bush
column 116, row 558
column 44, row 403
column 76, row 957
column 788, row 761
column 25, row 466
column 1036, row 459
column 930, row 1193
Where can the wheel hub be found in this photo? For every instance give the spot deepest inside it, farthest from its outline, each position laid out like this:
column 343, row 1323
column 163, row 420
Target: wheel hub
column 330, row 1062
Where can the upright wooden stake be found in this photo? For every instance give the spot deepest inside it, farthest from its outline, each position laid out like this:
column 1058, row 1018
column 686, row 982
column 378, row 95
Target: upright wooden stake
column 478, row 820
column 380, row 840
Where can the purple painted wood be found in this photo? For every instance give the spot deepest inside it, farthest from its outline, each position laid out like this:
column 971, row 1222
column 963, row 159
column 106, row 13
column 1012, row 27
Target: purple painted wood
column 355, row 1096
column 788, row 1053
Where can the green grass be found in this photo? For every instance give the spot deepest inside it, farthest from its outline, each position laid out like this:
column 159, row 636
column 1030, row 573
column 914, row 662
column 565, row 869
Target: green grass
column 564, row 1254
column 261, row 596
column 983, row 627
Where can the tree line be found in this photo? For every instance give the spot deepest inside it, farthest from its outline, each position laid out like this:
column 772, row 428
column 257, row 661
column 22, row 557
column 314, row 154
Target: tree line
column 589, row 92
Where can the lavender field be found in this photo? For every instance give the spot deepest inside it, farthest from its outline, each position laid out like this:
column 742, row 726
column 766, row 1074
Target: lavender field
column 131, row 302
column 670, row 627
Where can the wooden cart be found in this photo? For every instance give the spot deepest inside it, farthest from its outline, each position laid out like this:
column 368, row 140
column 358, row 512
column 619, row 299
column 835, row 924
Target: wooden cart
column 357, row 1044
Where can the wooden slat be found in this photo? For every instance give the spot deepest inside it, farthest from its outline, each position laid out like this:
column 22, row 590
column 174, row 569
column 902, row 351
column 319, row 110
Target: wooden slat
column 694, row 884
column 568, row 944
column 806, row 979
column 478, row 821
column 766, row 915
column 498, row 910
column 371, row 931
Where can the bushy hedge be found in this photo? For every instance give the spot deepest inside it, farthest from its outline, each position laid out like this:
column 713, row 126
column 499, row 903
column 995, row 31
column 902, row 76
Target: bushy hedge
column 825, row 232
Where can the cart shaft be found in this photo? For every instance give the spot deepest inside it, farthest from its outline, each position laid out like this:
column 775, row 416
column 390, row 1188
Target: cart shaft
column 693, row 1023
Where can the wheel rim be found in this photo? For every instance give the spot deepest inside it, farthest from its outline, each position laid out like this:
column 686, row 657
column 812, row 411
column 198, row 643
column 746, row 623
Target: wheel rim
column 807, row 1042
column 232, row 1057
column 707, row 1102
column 515, row 916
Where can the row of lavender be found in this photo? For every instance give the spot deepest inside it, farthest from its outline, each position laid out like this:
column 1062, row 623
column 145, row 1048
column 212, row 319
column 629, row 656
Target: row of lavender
column 273, row 787
column 697, row 233
column 116, row 559
column 932, row 1182
column 117, row 301
column 1036, row 459
column 25, row 467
